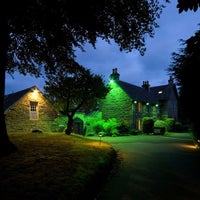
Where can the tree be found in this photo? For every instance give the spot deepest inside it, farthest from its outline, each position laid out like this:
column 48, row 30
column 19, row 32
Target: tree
column 185, row 5
column 184, row 67
column 33, row 34
column 74, row 88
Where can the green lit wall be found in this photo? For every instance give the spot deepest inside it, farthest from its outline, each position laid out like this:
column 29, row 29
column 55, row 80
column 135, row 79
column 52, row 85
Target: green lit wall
column 150, row 110
column 117, row 104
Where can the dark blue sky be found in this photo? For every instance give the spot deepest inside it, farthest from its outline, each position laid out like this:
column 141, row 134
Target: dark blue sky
column 133, row 67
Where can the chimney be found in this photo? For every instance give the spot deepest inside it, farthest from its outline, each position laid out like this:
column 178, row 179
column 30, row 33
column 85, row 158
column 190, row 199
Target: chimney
column 171, row 80
column 146, row 85
column 114, row 75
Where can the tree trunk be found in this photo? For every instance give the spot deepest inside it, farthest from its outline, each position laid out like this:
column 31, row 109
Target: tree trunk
column 6, row 147
column 69, row 129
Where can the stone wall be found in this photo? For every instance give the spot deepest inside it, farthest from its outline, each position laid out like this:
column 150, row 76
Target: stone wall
column 18, row 115
column 117, row 104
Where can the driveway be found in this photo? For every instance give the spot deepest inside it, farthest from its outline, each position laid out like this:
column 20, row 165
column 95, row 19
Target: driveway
column 154, row 168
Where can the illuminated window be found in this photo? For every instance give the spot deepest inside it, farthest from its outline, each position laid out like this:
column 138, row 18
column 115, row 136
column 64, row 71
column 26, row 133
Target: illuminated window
column 139, row 124
column 33, row 110
column 139, row 106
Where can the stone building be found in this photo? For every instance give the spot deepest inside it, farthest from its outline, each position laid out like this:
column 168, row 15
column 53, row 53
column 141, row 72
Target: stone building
column 27, row 111
column 130, row 103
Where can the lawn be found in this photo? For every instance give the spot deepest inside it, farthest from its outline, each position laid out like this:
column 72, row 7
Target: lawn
column 54, row 166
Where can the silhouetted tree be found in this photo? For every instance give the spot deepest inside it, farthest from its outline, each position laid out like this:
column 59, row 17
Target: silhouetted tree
column 34, row 32
column 74, row 89
column 185, row 69
column 185, row 5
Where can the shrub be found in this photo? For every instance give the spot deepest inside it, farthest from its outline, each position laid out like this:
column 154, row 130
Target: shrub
column 107, row 128
column 178, row 127
column 59, row 124
column 123, row 129
column 147, row 125
column 98, row 126
column 160, row 127
column 159, row 123
column 110, row 127
column 170, row 123
column 134, row 132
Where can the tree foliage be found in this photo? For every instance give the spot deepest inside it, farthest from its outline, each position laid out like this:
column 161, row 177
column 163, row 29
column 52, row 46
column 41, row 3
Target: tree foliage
column 184, row 67
column 185, row 5
column 38, row 30
column 74, row 88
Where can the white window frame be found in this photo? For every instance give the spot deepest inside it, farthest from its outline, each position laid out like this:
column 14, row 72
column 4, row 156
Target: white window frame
column 34, row 114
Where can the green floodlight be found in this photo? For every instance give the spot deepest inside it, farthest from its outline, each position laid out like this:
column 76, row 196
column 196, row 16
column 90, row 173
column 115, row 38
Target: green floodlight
column 111, row 81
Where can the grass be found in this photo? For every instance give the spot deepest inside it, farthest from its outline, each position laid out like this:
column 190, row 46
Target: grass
column 54, row 166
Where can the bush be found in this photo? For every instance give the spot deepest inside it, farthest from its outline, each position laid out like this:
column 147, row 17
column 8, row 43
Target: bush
column 59, row 124
column 134, row 132
column 160, row 123
column 110, row 127
column 98, row 126
column 170, row 123
column 147, row 125
column 178, row 127
column 123, row 129
column 159, row 127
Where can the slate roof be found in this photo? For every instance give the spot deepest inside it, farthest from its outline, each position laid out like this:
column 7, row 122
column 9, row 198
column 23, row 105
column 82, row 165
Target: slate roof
column 13, row 98
column 154, row 94
column 163, row 92
column 134, row 92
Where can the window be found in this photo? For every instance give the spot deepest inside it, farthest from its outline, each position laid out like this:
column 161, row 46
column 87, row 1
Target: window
column 139, row 106
column 139, row 124
column 33, row 110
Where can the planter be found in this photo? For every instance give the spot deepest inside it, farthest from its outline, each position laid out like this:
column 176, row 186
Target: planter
column 159, row 130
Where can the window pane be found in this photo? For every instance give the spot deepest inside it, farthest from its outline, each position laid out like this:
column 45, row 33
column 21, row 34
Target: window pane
column 33, row 110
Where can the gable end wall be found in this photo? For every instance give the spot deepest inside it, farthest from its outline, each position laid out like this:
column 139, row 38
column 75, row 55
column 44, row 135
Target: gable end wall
column 18, row 119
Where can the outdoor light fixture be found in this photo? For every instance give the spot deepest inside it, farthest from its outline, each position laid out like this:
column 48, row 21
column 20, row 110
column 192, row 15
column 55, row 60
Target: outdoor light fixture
column 147, row 103
column 111, row 81
column 135, row 102
column 35, row 93
column 100, row 136
column 197, row 144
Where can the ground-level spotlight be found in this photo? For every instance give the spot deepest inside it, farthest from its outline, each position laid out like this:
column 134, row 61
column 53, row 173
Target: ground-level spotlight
column 100, row 136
